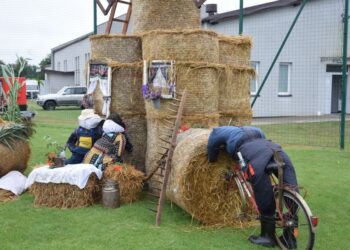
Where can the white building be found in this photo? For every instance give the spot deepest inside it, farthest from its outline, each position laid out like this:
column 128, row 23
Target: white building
column 306, row 79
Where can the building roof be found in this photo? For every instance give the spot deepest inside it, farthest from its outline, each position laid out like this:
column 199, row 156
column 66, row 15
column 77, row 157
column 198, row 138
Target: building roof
column 64, row 45
column 59, row 72
column 250, row 10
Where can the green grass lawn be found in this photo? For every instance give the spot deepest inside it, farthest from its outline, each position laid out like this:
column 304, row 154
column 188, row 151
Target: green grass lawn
column 323, row 172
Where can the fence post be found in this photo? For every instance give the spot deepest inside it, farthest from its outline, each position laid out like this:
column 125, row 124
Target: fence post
column 95, row 17
column 344, row 76
column 279, row 52
column 241, row 13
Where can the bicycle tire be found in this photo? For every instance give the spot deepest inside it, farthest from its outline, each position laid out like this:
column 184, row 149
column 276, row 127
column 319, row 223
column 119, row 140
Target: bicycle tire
column 297, row 231
column 241, row 194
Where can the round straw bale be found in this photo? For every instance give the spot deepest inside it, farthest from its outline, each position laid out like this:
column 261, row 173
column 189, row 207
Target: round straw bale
column 181, row 45
column 121, row 48
column 159, row 128
column 126, row 96
column 199, row 187
column 137, row 132
column 129, row 179
column 164, row 14
column 66, row 195
column 14, row 158
column 235, row 49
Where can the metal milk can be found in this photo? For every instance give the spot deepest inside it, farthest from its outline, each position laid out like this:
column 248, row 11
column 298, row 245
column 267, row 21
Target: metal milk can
column 110, row 194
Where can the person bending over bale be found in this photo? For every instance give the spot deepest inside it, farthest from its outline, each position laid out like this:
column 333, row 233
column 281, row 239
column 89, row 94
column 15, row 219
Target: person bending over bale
column 230, row 137
column 84, row 137
column 258, row 153
column 110, row 148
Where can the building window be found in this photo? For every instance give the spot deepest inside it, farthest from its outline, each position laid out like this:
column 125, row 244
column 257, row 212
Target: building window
column 87, row 57
column 77, row 70
column 254, row 81
column 58, row 66
column 65, row 65
column 284, row 79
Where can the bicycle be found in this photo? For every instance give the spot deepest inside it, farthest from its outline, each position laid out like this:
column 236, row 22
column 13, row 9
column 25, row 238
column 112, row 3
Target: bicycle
column 292, row 212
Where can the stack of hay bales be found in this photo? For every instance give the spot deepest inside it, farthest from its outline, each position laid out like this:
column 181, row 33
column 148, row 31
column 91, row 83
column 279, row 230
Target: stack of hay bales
column 14, row 147
column 234, row 100
column 199, row 187
column 66, row 195
column 196, row 56
column 124, row 55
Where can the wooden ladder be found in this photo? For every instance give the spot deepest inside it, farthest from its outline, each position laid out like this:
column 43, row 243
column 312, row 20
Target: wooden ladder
column 112, row 7
column 164, row 164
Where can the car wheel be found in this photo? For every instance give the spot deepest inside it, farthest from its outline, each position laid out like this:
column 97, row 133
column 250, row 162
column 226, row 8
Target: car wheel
column 49, row 105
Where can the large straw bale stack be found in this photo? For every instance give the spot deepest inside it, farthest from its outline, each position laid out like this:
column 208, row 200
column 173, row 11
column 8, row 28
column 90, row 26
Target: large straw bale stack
column 234, row 95
column 127, row 100
column 137, row 132
column 201, row 81
column 181, row 45
column 164, row 14
column 235, row 49
column 129, row 179
column 14, row 158
column 199, row 187
column 126, row 88
column 121, row 48
column 66, row 195
column 201, row 109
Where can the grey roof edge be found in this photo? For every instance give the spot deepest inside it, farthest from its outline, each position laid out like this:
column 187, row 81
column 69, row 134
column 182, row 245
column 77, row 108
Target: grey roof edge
column 58, row 72
column 250, row 10
column 66, row 44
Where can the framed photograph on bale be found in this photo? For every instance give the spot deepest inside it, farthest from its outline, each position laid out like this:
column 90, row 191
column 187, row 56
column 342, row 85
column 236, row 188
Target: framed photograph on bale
column 159, row 80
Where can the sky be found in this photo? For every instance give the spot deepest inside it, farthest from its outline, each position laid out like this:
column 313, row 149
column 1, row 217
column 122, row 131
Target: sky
column 32, row 28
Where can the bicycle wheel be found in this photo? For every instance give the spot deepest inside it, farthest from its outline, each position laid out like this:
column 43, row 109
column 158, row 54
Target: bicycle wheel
column 297, row 231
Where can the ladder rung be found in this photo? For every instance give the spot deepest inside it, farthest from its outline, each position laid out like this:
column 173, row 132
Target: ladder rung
column 152, row 210
column 119, row 20
column 154, row 195
column 120, row 1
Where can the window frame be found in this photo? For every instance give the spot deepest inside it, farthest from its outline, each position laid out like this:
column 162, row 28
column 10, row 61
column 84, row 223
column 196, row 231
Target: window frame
column 256, row 80
column 288, row 93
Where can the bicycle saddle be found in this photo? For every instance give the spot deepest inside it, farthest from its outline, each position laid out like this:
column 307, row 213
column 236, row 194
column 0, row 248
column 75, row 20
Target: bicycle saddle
column 275, row 162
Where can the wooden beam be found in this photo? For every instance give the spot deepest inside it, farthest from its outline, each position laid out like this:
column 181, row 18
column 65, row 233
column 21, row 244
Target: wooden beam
column 111, row 17
column 105, row 11
column 127, row 20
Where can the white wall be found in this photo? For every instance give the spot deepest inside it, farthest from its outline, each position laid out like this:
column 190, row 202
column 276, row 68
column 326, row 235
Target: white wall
column 317, row 34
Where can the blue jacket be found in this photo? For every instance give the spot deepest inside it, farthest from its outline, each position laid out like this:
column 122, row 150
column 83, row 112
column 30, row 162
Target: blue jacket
column 231, row 138
column 82, row 140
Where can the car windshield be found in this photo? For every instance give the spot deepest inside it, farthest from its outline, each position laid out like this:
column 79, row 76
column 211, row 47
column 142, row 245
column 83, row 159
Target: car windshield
column 61, row 91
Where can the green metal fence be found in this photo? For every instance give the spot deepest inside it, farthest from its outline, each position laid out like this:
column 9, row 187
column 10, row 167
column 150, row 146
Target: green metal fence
column 299, row 96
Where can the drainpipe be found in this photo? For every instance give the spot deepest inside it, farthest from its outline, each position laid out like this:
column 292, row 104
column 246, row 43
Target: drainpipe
column 95, row 17
column 344, row 76
column 241, row 13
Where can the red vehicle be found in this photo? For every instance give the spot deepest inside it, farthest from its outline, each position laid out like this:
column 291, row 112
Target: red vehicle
column 22, row 98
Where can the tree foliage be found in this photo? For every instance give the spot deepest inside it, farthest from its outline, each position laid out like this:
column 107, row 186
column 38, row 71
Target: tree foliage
column 29, row 71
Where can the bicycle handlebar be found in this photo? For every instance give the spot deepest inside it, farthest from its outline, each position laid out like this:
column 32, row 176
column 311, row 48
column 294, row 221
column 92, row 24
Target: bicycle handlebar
column 241, row 160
